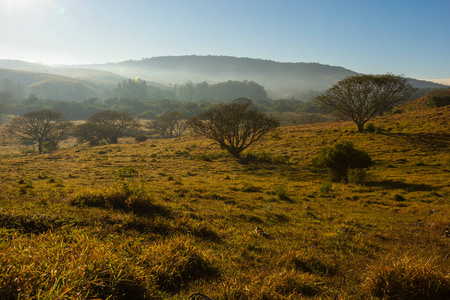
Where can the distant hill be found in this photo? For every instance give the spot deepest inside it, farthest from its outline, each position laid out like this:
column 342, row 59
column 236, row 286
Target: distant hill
column 59, row 83
column 47, row 86
column 280, row 79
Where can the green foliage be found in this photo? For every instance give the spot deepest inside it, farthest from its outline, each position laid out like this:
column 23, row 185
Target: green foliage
column 438, row 101
column 341, row 158
column 141, row 138
column 48, row 147
column 281, row 192
column 370, row 127
column 356, row 176
column 127, row 172
column 263, row 157
column 325, row 187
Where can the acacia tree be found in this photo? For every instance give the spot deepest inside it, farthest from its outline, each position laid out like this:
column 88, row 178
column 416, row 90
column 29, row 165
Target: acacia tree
column 366, row 96
column 41, row 126
column 234, row 126
column 170, row 124
column 107, row 125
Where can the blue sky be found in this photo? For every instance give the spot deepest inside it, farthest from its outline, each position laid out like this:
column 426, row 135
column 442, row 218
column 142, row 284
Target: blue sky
column 410, row 38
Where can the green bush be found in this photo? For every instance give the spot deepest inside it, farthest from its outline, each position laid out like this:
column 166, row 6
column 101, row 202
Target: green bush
column 325, row 187
column 282, row 192
column 342, row 158
column 141, row 138
column 370, row 127
column 357, row 176
column 439, row 101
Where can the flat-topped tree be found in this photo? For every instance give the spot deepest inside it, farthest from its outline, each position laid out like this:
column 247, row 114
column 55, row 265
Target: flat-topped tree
column 234, row 126
column 107, row 125
column 41, row 126
column 366, row 96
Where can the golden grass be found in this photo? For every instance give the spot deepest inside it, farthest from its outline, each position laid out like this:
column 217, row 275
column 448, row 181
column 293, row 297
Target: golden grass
column 202, row 207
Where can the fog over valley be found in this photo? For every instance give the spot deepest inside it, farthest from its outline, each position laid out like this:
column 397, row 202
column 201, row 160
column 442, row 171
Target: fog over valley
column 280, row 80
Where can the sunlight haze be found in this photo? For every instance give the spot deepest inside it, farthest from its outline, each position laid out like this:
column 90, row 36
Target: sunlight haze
column 410, row 38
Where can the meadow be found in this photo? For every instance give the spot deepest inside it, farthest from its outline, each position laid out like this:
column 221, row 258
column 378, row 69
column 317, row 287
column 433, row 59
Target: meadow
column 165, row 218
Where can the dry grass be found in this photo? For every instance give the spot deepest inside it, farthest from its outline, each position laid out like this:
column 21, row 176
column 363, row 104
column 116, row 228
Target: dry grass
column 162, row 219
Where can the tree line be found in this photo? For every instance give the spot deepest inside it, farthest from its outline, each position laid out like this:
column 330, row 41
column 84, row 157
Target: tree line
column 234, row 126
column 149, row 110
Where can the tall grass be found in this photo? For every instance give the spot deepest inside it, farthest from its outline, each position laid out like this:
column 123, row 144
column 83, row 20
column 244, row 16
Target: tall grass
column 408, row 277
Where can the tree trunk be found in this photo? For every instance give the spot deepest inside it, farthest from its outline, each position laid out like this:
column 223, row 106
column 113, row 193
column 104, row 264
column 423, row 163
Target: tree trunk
column 360, row 127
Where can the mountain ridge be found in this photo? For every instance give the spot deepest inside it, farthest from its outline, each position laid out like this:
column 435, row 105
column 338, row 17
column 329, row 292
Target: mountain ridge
column 281, row 79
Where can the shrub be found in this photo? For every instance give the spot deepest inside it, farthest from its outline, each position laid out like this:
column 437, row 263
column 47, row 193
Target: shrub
column 141, row 138
column 341, row 158
column 262, row 157
column 438, row 101
column 370, row 127
column 357, row 176
column 408, row 278
column 325, row 187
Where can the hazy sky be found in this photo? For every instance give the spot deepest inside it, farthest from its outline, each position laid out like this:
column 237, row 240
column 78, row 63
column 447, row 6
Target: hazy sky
column 404, row 37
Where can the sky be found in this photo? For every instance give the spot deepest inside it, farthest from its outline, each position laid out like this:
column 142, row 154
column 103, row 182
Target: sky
column 403, row 37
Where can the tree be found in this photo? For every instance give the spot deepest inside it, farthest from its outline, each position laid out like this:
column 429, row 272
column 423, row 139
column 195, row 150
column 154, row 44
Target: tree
column 365, row 96
column 342, row 158
column 136, row 88
column 170, row 124
column 106, row 125
column 41, row 126
column 234, row 126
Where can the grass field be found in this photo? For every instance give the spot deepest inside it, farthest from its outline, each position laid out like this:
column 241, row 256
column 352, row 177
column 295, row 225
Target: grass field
column 166, row 218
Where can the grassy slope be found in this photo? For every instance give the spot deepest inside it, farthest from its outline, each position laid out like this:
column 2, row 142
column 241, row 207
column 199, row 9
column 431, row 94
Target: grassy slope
column 206, row 209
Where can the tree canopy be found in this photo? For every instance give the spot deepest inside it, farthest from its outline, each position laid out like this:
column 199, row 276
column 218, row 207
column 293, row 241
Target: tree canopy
column 41, row 126
column 106, row 125
column 366, row 96
column 234, row 126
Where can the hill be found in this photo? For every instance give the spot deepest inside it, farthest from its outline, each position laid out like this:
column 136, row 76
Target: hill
column 47, row 86
column 280, row 79
column 166, row 218
column 58, row 83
